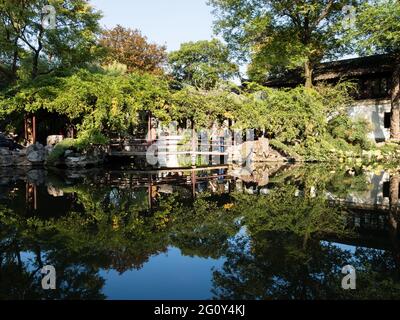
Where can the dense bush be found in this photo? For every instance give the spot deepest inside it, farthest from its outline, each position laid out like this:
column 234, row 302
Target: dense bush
column 84, row 140
column 102, row 100
column 310, row 122
column 354, row 132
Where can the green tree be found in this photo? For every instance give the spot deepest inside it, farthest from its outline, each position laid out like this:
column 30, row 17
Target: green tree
column 377, row 31
column 98, row 102
column 29, row 48
column 287, row 251
column 202, row 64
column 281, row 34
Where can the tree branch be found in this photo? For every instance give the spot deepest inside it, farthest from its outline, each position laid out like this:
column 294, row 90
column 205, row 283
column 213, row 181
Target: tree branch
column 324, row 13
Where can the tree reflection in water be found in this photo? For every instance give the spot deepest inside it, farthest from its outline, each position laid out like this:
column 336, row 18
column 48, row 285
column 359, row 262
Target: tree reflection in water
column 280, row 242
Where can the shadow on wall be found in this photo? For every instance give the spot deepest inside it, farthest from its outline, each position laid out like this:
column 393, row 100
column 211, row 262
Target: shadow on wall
column 374, row 113
column 377, row 123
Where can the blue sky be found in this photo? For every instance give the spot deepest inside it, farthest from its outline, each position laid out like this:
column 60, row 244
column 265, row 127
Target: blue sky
column 169, row 22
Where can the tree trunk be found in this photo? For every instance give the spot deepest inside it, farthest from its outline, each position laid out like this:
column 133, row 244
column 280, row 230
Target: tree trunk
column 395, row 97
column 15, row 59
column 35, row 65
column 394, row 218
column 36, row 56
column 308, row 72
column 394, row 191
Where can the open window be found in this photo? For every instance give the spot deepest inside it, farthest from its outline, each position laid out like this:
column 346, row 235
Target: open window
column 387, row 120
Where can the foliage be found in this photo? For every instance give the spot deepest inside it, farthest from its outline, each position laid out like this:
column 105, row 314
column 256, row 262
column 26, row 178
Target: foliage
column 309, row 121
column 27, row 49
column 304, row 121
column 203, row 107
column 282, row 256
column 273, row 246
column 292, row 115
column 377, row 28
column 202, row 64
column 280, row 35
column 353, row 132
column 85, row 139
column 99, row 101
column 284, row 149
column 131, row 48
column 299, row 121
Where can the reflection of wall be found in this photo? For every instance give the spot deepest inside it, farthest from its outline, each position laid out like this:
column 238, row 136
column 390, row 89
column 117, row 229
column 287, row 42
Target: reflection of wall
column 168, row 148
column 374, row 112
column 377, row 193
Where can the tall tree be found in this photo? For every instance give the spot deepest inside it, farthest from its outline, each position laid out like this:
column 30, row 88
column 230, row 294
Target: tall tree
column 30, row 46
column 278, row 34
column 132, row 49
column 202, row 64
column 376, row 31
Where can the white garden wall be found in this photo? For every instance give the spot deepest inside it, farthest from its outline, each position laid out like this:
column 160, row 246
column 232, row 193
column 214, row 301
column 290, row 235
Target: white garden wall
column 374, row 112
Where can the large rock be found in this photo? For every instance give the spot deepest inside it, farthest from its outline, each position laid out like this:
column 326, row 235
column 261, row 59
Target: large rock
column 48, row 149
column 10, row 158
column 83, row 161
column 251, row 151
column 261, row 150
column 5, row 151
column 55, row 192
column 78, row 161
column 36, row 153
column 55, row 139
column 93, row 156
column 6, row 158
column 8, row 143
column 258, row 174
column 20, row 159
column 36, row 176
column 33, row 155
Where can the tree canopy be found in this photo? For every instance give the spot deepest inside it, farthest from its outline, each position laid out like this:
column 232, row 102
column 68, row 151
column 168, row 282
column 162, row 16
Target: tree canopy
column 131, row 48
column 99, row 101
column 28, row 48
column 202, row 64
column 279, row 35
column 376, row 29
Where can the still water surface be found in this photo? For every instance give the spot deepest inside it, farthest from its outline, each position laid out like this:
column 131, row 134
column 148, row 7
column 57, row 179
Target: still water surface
column 281, row 233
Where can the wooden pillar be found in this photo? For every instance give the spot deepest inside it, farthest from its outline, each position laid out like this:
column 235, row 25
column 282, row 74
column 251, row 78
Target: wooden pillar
column 30, row 129
column 394, row 218
column 230, row 143
column 394, row 201
column 394, row 191
column 150, row 192
column 31, row 196
column 149, row 128
column 194, row 180
column 26, row 128
column 194, row 145
column 33, row 129
column 71, row 131
column 395, row 97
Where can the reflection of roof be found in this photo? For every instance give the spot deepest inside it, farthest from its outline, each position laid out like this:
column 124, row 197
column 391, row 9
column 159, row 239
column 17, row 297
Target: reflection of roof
column 336, row 70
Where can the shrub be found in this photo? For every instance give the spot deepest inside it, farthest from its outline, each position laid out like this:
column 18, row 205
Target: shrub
column 84, row 140
column 353, row 132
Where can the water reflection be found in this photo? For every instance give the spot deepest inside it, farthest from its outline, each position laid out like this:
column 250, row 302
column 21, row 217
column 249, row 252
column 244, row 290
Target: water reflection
column 279, row 232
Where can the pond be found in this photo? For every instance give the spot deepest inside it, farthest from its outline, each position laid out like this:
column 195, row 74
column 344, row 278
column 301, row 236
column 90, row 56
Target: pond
column 282, row 232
